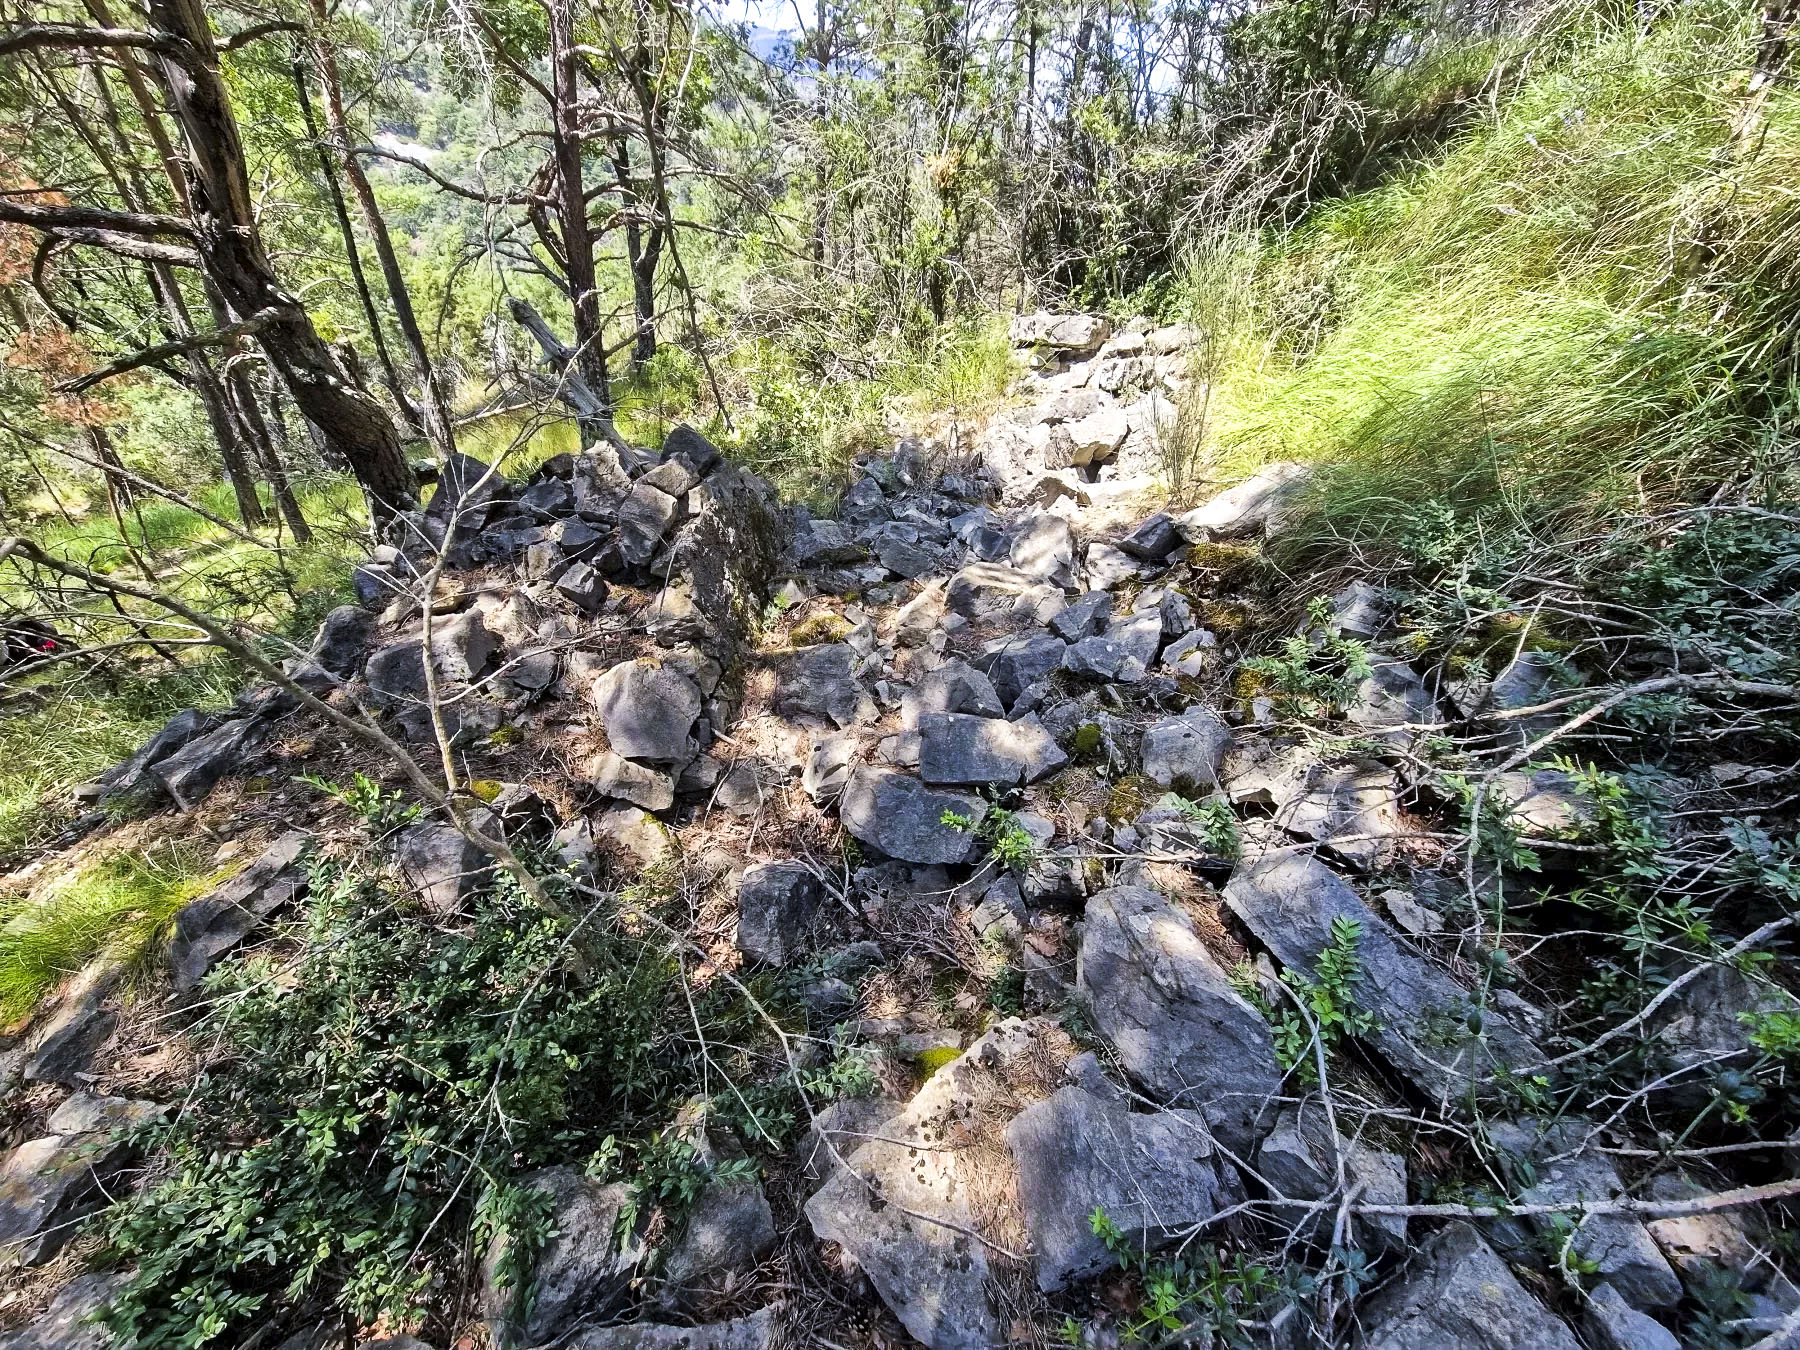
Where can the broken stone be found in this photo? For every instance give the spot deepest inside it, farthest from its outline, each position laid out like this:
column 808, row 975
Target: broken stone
column 1262, row 503
column 1152, row 1175
column 194, row 771
column 828, row 764
column 443, row 867
column 132, row 776
column 583, row 587
column 1700, row 1028
column 904, row 819
column 1186, row 752
column 615, row 776
column 776, row 905
column 985, row 591
column 692, row 446
column 904, row 558
column 645, row 516
column 1193, row 655
column 824, row 543
column 633, row 833
column 69, row 1322
column 1299, row 1159
column 1086, row 617
column 1458, row 1293
column 1105, row 659
column 341, row 640
column 1392, row 702
column 673, row 476
column 954, row 687
column 206, row 928
column 730, row 1227
column 1544, row 803
column 1613, row 1324
column 50, row 1184
column 1015, row 663
column 60, row 1047
column 1153, row 540
column 583, row 1270
column 1423, row 1025
column 958, row 749
column 1168, row 1007
column 1094, row 437
column 460, row 648
column 1108, row 567
column 648, row 711
column 1045, row 548
column 1359, row 611
column 1351, row 809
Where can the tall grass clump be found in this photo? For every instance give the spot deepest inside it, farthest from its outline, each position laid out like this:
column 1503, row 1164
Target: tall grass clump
column 1587, row 304
column 120, row 905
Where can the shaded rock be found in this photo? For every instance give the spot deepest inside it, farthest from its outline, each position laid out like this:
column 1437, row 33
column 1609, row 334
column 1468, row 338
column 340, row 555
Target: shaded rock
column 374, row 585
column 615, row 776
column 673, row 476
column 730, row 1227
column 466, row 720
column 1544, row 802
column 1186, row 752
column 1388, row 699
column 954, row 687
column 67, row 1324
column 206, row 928
column 647, row 711
column 1700, row 1027
column 1105, row 659
column 986, row 591
column 755, row 1332
column 1263, row 503
column 916, row 619
column 1167, row 1006
column 50, row 1184
column 1289, row 902
column 1108, row 567
column 903, row 818
column 1613, row 1324
column 1299, row 1159
column 817, row 686
column 1458, row 1293
column 827, row 769
column 692, row 446
column 1153, row 540
column 443, row 867
column 549, row 498
column 844, row 1126
column 1153, row 1175
column 583, row 586
column 132, row 776
column 955, row 748
column 1266, row 773
column 1091, row 438
column 460, row 648
column 1193, row 654
column 339, row 646
column 1359, row 611
column 1141, row 634
column 825, row 543
column 1086, row 617
column 634, row 835
column 193, row 771
column 60, row 1046
column 1015, row 663
column 904, row 558
column 582, row 1272
column 1352, row 809
column 645, row 516
column 1045, row 548
column 776, row 906
column 730, row 549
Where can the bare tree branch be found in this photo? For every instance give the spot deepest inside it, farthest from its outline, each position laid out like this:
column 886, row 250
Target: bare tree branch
column 149, row 356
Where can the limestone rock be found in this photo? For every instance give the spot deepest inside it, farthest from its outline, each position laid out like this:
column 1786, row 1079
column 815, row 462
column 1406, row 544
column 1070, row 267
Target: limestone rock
column 648, row 711
column 1186, row 752
column 986, row 591
column 755, row 1332
column 960, row 750
column 193, row 771
column 1193, row 654
column 62, row 1043
column 900, row 816
column 1298, row 1158
column 1086, row 617
column 1262, row 503
column 1289, row 902
column 1045, row 548
column 645, row 517
column 1153, row 1175
column 443, row 867
column 49, row 1184
column 817, row 687
column 776, row 905
column 1105, row 659
column 1015, row 663
column 1613, row 1324
column 827, row 768
column 582, row 1272
column 132, row 776
column 954, row 687
column 1096, row 436
column 1155, row 539
column 1108, row 567
column 207, row 928
column 1352, row 809
column 615, row 776
column 1167, row 1006
column 67, row 1324
column 1458, row 1293
column 460, row 648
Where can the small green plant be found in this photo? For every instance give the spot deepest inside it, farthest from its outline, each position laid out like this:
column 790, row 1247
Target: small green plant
column 1198, row 1295
column 1311, row 678
column 851, row 1075
column 379, row 809
column 1011, row 843
column 1330, row 1000
column 1214, row 821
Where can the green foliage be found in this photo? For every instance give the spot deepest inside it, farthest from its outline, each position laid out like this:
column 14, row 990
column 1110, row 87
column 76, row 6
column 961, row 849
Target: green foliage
column 1329, row 998
column 1214, row 821
column 387, row 1095
column 120, row 905
column 378, row 809
column 1314, row 674
column 851, row 1075
column 1199, row 1294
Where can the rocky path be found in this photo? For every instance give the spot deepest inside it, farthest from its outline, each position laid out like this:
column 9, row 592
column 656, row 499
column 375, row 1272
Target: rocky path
column 971, row 763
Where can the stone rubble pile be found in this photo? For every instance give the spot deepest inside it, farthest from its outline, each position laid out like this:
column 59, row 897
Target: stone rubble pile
column 1017, row 717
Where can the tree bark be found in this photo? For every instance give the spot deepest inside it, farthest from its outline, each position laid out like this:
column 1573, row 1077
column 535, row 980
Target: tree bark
column 577, row 238
column 231, row 249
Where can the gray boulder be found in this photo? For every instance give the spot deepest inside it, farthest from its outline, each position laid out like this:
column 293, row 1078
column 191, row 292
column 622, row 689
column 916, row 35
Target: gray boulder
column 1392, row 702
column 1458, row 1293
column 132, row 776
column 1359, row 611
column 1015, row 663
column 193, row 771
column 1264, row 503
column 1105, row 659
column 67, row 1324
column 460, row 648
column 954, row 687
column 1699, row 1028
column 647, row 711
column 615, row 776
column 1153, row 1175
column 900, row 816
column 987, row 592
column 50, row 1184
column 1352, row 809
column 827, row 769
column 817, row 687
column 342, row 637
column 445, row 869
column 207, row 928
column 1167, row 1005
column 1613, row 1324
column 1186, row 752
column 960, row 750
column 1193, row 654
column 62, row 1043
column 755, row 1332
column 582, row 1272
column 1298, row 1158
column 1141, row 633
column 1108, row 567
column 1045, row 548
column 645, row 516
column 1423, row 1028
column 825, row 543
column 1153, row 540
column 692, row 446
column 582, row 586
column 776, row 905
column 1086, row 617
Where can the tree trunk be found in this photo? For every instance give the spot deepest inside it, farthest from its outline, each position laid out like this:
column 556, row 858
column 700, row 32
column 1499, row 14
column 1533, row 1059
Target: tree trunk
column 250, row 414
column 578, row 240
column 641, row 258
column 436, row 408
column 232, row 253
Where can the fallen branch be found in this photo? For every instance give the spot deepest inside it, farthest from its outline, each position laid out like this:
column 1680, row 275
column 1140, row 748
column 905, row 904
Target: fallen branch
column 162, row 351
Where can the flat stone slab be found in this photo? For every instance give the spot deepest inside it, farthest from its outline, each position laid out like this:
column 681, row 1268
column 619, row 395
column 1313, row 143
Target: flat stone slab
column 207, row 928
column 1458, row 1293
column 957, row 749
column 899, row 815
column 647, row 711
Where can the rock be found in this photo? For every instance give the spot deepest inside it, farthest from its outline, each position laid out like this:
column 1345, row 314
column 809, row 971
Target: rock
column 985, row 592
column 825, row 543
column 1458, row 1293
column 615, row 776
column 374, row 586
column 690, row 445
column 549, row 498
column 392, row 1343
column 842, row 1126
column 932, row 1277
column 1094, row 437
column 1266, row 773
column 48, row 1185
column 1691, row 1243
column 904, row 819
column 916, row 619
column 817, row 687
column 1299, row 1160
column 342, row 637
column 582, row 1272
column 1289, row 902
column 673, row 476
column 730, row 549
column 1108, row 567
column 1153, row 1175
column 864, row 502
column 648, row 711
column 1002, row 906
column 1613, row 1324
column 1167, row 1006
column 1186, row 752
column 208, row 927
column 193, row 771
column 1263, row 503
column 1105, row 659
column 1062, row 332
column 1153, row 540
column 776, row 905
column 755, row 1332
column 636, row 836
column 465, row 487
column 60, row 1046
column 1404, row 908
column 443, row 867
column 1141, row 634
column 1194, row 654
column 1392, row 702
column 1086, row 617
column 958, row 749
column 954, row 687
column 67, row 1324
column 730, row 1227
column 645, row 516
column 1055, row 486
column 583, row 586
column 904, row 558
column 1169, row 339
column 1015, row 663
column 1359, row 611
column 1700, row 1028
column 828, row 764
column 132, row 776
column 1045, row 548
column 1352, row 809
column 1544, row 803
column 460, row 648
